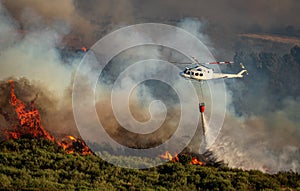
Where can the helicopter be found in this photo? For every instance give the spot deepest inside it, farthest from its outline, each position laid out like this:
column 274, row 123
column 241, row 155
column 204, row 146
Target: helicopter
column 201, row 72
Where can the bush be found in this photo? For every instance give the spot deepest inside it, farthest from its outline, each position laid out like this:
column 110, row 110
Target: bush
column 41, row 165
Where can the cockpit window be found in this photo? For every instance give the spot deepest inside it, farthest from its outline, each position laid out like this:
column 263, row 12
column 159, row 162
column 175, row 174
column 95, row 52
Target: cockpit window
column 194, row 67
column 199, row 69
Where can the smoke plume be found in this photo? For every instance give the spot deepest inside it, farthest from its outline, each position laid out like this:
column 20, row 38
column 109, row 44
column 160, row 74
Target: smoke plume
column 260, row 135
column 261, row 131
column 27, row 13
column 34, row 61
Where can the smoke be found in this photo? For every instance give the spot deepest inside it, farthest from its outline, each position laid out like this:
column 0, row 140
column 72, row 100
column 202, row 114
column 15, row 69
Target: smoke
column 154, row 105
column 261, row 127
column 28, row 12
column 230, row 13
column 268, row 143
column 91, row 19
column 265, row 138
column 260, row 131
column 35, row 56
column 226, row 18
column 112, row 12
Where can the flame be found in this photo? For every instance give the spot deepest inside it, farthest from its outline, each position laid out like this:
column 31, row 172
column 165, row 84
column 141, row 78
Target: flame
column 71, row 144
column 28, row 116
column 29, row 123
column 14, row 135
column 195, row 161
column 175, row 158
column 71, row 137
column 84, row 49
column 169, row 156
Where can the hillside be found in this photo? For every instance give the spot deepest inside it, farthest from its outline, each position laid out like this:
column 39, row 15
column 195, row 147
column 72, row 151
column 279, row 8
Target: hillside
column 272, row 78
column 37, row 164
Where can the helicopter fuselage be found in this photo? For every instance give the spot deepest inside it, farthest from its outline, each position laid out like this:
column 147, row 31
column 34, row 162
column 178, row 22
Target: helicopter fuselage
column 198, row 73
column 201, row 73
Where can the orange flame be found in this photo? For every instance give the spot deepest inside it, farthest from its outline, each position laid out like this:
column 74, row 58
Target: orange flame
column 28, row 116
column 29, row 123
column 195, row 161
column 84, row 49
column 169, row 156
column 175, row 158
column 72, row 138
column 71, row 144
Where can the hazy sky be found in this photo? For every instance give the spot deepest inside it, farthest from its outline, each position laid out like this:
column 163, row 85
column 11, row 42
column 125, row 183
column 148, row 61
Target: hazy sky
column 271, row 13
column 223, row 18
column 232, row 13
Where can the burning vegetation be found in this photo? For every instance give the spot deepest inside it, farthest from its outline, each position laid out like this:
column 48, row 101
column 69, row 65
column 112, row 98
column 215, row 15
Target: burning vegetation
column 27, row 123
column 176, row 158
column 28, row 120
column 205, row 159
column 24, row 121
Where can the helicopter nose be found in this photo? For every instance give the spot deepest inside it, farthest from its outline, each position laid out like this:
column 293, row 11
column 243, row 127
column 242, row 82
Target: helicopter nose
column 181, row 74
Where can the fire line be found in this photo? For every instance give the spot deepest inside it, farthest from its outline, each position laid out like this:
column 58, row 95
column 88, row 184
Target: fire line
column 28, row 123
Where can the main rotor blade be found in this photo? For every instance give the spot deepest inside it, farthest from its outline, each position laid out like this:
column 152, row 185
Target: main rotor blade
column 242, row 65
column 173, row 62
column 227, row 62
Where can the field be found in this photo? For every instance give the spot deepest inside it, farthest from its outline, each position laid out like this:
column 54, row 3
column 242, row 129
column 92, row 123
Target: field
column 37, row 164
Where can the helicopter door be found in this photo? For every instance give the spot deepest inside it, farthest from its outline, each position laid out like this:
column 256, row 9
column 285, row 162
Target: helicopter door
column 208, row 74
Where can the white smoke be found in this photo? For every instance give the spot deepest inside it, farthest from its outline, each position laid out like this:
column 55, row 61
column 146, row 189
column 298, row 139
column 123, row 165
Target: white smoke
column 268, row 142
column 33, row 54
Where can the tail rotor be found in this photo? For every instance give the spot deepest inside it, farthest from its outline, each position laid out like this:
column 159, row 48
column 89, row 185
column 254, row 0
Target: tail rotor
column 244, row 68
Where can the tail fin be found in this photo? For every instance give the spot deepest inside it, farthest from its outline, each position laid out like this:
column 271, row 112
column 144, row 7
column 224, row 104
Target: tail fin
column 243, row 71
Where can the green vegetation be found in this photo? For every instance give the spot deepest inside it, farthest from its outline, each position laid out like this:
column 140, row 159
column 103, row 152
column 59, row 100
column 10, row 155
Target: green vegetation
column 34, row 164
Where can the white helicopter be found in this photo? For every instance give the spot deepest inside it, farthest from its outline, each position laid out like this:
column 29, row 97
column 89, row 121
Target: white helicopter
column 201, row 72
